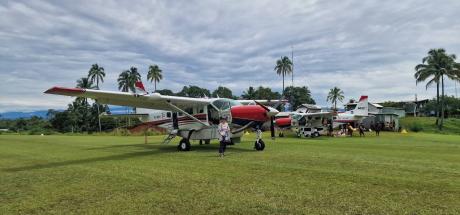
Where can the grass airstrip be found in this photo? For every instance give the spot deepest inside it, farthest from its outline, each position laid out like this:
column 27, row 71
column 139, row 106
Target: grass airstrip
column 392, row 174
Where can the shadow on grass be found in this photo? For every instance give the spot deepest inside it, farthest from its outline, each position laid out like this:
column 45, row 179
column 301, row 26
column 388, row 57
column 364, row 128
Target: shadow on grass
column 160, row 149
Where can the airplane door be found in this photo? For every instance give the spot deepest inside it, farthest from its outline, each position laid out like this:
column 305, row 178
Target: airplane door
column 175, row 121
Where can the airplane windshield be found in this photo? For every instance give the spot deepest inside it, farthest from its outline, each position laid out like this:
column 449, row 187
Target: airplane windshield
column 296, row 116
column 224, row 104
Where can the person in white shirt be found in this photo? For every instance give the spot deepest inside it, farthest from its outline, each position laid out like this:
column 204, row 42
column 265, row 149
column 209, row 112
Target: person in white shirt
column 224, row 135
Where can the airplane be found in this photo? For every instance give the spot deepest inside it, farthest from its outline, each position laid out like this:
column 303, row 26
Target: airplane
column 311, row 121
column 360, row 112
column 190, row 118
column 308, row 120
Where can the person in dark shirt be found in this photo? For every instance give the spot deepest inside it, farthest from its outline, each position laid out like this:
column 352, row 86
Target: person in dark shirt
column 361, row 130
column 378, row 127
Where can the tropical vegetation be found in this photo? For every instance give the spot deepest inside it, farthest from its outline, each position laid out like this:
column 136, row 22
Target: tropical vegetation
column 335, row 94
column 283, row 67
column 154, row 75
column 434, row 68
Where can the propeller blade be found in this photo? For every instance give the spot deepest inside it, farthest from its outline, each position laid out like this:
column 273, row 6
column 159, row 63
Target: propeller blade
column 263, row 106
column 272, row 127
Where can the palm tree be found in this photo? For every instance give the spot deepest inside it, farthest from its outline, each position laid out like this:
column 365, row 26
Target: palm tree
column 123, row 81
column 434, row 67
column 84, row 83
column 335, row 94
column 133, row 76
column 97, row 74
column 124, row 85
column 283, row 67
column 154, row 75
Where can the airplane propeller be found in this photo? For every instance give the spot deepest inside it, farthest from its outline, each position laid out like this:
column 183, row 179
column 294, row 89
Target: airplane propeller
column 271, row 114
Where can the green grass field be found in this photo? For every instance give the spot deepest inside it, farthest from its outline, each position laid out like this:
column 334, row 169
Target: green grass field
column 390, row 174
column 428, row 125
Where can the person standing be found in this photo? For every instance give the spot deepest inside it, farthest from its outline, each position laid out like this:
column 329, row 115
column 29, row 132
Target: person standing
column 224, row 133
column 350, row 130
column 361, row 130
column 377, row 128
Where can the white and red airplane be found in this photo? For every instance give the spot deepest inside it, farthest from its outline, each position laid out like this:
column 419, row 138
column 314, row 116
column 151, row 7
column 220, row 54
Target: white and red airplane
column 189, row 118
column 311, row 121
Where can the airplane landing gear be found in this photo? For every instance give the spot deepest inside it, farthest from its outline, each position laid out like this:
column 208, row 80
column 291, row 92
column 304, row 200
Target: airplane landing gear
column 184, row 145
column 259, row 145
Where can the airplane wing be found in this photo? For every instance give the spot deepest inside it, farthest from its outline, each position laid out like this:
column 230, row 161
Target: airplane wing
column 149, row 101
column 129, row 115
column 264, row 102
column 316, row 114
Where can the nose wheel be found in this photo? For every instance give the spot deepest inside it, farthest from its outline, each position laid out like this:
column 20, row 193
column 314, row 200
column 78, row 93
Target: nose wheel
column 184, row 145
column 259, row 145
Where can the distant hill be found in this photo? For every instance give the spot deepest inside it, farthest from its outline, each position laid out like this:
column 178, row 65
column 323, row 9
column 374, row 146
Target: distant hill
column 16, row 115
column 42, row 113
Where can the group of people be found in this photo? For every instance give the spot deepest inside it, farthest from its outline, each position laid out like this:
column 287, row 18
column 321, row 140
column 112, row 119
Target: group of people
column 348, row 129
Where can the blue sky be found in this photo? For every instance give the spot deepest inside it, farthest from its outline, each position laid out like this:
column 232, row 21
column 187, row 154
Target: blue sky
column 364, row 47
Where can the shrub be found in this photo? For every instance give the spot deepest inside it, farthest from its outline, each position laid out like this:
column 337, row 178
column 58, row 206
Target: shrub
column 415, row 127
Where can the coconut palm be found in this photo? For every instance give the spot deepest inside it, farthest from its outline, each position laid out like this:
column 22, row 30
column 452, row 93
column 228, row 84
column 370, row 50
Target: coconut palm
column 134, row 76
column 437, row 65
column 334, row 95
column 97, row 74
column 123, row 81
column 154, row 75
column 283, row 67
column 85, row 83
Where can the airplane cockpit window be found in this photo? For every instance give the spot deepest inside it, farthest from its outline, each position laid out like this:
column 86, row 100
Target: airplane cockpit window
column 302, row 121
column 224, row 104
column 296, row 116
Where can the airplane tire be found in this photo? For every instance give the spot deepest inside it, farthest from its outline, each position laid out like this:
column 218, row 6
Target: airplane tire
column 184, row 145
column 259, row 145
column 281, row 135
column 207, row 142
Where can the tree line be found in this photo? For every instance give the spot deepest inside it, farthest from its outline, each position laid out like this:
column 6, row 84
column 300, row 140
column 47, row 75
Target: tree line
column 83, row 115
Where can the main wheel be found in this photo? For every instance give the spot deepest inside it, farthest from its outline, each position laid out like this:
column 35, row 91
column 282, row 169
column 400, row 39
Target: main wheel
column 184, row 145
column 207, row 142
column 259, row 145
column 281, row 135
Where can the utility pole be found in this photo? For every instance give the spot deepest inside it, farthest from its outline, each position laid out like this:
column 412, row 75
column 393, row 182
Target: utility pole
column 292, row 59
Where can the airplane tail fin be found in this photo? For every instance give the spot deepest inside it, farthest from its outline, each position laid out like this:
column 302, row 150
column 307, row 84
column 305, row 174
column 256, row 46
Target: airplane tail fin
column 140, row 87
column 362, row 108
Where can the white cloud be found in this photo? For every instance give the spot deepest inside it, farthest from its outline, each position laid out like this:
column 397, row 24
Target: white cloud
column 365, row 47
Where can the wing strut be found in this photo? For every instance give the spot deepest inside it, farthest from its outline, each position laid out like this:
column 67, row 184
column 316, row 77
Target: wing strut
column 185, row 113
